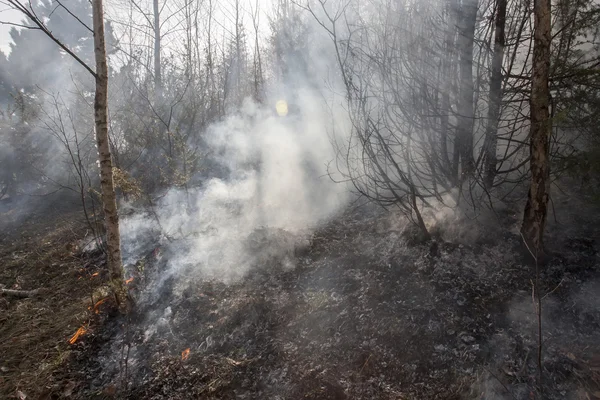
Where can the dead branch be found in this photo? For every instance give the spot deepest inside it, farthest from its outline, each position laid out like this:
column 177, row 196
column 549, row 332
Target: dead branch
column 20, row 293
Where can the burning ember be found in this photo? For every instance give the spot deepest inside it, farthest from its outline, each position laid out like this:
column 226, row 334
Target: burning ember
column 185, row 354
column 128, row 281
column 98, row 304
column 77, row 335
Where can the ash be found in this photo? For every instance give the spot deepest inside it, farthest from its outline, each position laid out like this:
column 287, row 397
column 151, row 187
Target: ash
column 356, row 310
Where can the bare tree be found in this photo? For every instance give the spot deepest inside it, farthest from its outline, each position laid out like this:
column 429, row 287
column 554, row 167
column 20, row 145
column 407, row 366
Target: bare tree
column 111, row 216
column 109, row 199
column 157, row 50
column 467, row 21
column 495, row 99
column 536, row 209
column 257, row 61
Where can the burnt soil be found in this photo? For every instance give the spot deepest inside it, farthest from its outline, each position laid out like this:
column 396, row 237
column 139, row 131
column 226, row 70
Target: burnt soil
column 366, row 313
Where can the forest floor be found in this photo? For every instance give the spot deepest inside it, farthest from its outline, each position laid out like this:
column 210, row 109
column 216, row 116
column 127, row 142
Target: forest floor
column 364, row 314
column 39, row 250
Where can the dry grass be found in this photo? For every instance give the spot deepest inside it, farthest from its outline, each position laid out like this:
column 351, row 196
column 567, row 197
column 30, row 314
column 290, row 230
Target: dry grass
column 34, row 332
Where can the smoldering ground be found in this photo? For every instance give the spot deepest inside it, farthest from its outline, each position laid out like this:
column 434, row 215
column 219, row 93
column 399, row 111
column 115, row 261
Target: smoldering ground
column 277, row 179
column 363, row 314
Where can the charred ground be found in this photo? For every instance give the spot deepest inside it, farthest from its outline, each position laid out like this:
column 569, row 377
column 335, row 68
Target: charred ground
column 365, row 313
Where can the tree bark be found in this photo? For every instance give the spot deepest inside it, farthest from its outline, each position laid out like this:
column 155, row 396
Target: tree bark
column 466, row 38
column 493, row 116
column 109, row 200
column 536, row 209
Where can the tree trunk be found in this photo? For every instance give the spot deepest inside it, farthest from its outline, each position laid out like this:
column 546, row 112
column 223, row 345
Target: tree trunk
column 450, row 166
column 534, row 220
column 466, row 36
column 109, row 200
column 491, row 133
column 157, row 63
column 163, row 123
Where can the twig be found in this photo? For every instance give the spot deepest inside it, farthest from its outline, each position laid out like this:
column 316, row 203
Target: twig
column 365, row 364
column 536, row 295
column 524, row 364
column 540, row 337
column 554, row 290
column 125, row 355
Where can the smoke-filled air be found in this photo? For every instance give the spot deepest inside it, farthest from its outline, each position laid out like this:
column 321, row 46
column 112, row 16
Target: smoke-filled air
column 299, row 199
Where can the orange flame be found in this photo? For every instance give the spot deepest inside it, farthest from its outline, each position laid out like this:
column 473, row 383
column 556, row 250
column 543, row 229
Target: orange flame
column 95, row 274
column 98, row 304
column 185, row 354
column 77, row 335
column 128, row 281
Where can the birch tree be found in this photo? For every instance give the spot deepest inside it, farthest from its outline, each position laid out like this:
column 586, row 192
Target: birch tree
column 109, row 199
column 100, row 74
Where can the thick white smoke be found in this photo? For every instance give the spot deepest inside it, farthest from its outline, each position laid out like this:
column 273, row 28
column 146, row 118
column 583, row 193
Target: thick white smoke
column 278, row 180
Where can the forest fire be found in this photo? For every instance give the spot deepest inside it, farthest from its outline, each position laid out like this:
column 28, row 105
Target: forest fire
column 323, row 199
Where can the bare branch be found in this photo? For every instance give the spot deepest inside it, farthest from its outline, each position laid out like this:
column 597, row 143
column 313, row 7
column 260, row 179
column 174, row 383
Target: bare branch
column 30, row 14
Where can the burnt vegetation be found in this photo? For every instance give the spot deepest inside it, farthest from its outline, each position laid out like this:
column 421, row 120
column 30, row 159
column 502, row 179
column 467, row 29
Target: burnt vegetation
column 301, row 200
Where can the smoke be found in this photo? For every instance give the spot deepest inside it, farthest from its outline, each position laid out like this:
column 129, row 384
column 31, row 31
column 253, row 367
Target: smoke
column 277, row 190
column 276, row 166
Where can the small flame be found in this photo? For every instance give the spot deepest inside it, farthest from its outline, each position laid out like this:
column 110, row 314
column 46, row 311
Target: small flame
column 77, row 335
column 98, row 304
column 128, row 281
column 185, row 354
column 95, row 274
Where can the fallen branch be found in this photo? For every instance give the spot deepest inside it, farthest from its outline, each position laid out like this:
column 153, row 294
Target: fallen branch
column 19, row 293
